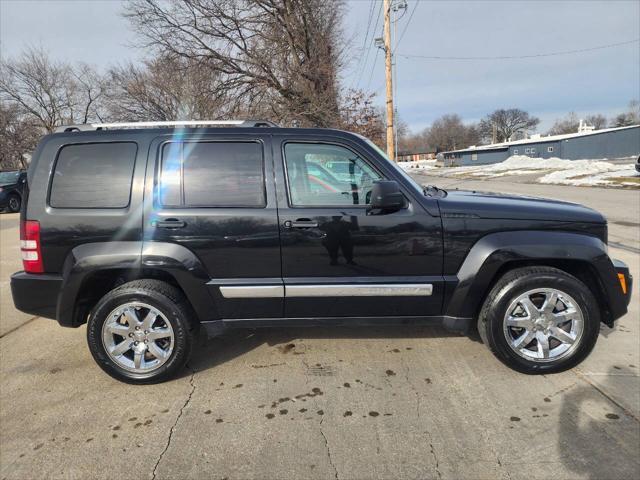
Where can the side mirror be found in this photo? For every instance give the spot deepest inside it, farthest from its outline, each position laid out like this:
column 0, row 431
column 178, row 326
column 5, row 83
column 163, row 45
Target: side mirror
column 386, row 197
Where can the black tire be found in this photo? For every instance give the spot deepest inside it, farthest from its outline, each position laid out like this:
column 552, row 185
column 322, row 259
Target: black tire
column 13, row 204
column 165, row 298
column 521, row 280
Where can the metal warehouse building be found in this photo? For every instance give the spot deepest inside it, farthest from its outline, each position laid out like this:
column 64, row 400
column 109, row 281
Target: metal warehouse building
column 610, row 143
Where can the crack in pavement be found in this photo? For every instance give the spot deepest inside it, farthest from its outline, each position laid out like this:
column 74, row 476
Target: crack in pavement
column 622, row 246
column 435, row 457
column 413, row 387
column 418, row 408
column 326, row 446
column 326, row 442
column 18, row 327
column 306, row 370
column 586, row 379
column 503, row 468
column 166, row 447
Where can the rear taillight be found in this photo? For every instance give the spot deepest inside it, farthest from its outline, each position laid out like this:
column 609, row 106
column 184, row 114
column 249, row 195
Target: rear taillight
column 30, row 246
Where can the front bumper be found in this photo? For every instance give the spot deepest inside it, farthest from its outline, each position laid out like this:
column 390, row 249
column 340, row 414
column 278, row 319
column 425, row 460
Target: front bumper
column 4, row 200
column 36, row 294
column 625, row 280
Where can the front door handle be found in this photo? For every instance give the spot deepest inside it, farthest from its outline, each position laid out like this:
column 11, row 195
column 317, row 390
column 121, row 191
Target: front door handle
column 168, row 223
column 301, row 223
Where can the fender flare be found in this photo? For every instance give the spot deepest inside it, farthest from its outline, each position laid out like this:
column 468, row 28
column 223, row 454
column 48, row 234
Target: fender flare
column 134, row 257
column 493, row 251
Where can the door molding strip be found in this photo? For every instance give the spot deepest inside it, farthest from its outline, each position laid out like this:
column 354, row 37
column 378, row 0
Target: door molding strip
column 253, row 291
column 360, row 290
column 324, row 290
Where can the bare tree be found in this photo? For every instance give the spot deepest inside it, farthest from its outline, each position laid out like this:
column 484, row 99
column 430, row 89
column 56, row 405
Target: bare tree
column 571, row 123
column 597, row 121
column 630, row 117
column 507, row 123
column 448, row 133
column 51, row 93
column 166, row 88
column 88, row 91
column 568, row 124
column 18, row 137
column 413, row 142
column 282, row 54
column 360, row 115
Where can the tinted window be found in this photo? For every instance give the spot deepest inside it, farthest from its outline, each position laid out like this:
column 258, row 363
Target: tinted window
column 7, row 178
column 96, row 175
column 212, row 174
column 321, row 174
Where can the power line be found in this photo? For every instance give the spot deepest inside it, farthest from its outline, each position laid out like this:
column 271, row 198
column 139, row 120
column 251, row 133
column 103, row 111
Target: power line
column 373, row 69
column 517, row 57
column 364, row 45
column 406, row 25
column 373, row 33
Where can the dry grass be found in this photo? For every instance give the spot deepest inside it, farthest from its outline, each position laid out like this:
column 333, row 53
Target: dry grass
column 635, row 180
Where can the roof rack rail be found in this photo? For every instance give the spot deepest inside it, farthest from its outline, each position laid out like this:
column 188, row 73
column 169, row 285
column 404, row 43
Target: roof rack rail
column 86, row 127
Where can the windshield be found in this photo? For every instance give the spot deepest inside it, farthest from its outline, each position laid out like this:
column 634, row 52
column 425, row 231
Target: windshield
column 7, row 178
column 415, row 184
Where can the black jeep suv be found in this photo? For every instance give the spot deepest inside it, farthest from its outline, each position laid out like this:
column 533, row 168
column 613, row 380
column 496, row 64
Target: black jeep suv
column 147, row 234
column 11, row 186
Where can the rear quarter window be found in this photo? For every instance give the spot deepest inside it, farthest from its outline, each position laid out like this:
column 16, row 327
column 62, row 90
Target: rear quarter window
column 93, row 175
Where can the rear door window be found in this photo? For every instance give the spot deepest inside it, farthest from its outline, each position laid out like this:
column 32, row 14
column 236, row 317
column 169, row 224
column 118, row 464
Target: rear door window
column 93, row 175
column 212, row 174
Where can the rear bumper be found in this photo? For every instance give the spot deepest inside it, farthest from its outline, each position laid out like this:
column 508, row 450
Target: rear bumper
column 36, row 294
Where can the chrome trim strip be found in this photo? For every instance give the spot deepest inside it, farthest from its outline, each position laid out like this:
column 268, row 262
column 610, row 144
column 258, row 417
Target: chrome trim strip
column 365, row 290
column 177, row 123
column 253, row 291
column 324, row 290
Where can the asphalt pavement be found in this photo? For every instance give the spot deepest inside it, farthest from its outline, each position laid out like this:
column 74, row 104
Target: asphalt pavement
column 326, row 403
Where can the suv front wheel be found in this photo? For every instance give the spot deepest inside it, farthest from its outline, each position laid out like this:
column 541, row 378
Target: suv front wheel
column 141, row 332
column 539, row 320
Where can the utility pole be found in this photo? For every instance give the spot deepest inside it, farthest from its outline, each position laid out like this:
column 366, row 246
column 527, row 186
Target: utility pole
column 389, row 80
column 396, row 6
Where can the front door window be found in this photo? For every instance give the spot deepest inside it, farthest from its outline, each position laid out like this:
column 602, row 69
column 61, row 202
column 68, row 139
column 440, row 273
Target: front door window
column 327, row 175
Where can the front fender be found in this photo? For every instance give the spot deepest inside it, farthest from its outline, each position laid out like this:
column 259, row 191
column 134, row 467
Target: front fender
column 494, row 251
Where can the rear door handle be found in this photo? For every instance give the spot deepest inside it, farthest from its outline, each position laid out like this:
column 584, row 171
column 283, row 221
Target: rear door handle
column 301, row 223
column 168, row 223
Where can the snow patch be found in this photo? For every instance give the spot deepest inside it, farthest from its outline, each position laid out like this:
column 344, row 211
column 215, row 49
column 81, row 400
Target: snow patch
column 552, row 170
column 568, row 177
column 418, row 165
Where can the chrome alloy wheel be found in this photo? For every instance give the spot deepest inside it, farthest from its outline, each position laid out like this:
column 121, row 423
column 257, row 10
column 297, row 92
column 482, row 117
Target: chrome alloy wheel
column 543, row 325
column 138, row 337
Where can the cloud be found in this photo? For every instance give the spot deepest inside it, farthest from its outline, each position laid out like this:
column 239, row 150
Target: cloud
column 549, row 87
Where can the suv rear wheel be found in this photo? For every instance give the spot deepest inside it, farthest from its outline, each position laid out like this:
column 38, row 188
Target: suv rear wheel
column 13, row 205
column 141, row 332
column 539, row 320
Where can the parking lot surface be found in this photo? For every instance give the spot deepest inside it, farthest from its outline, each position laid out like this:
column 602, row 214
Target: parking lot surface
column 326, row 403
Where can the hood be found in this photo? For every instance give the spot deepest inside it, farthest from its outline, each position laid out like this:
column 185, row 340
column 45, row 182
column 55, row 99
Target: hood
column 460, row 203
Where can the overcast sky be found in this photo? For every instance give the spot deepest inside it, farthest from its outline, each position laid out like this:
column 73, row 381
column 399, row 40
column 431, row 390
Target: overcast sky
column 600, row 81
